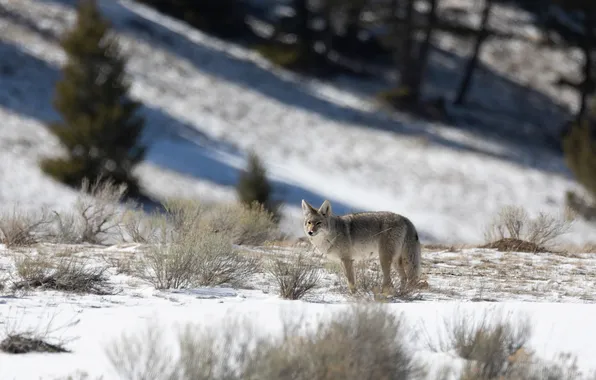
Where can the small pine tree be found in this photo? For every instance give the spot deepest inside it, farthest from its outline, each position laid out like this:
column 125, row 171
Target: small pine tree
column 100, row 128
column 253, row 186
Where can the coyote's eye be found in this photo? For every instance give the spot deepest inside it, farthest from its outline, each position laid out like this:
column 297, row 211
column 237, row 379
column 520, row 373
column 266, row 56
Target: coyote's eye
column 319, row 223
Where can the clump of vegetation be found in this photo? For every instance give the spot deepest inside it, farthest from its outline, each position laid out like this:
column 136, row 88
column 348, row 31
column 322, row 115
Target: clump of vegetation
column 20, row 227
column 96, row 215
column 65, row 273
column 296, row 276
column 24, row 343
column 186, row 250
column 512, row 229
column 100, row 127
column 246, row 224
column 254, row 187
column 496, row 348
column 363, row 342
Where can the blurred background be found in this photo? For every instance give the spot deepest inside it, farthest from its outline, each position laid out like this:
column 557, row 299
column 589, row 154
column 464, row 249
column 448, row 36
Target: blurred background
column 442, row 110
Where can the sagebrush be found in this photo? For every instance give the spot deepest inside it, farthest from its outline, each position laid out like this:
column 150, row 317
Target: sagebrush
column 362, row 342
column 295, row 276
column 514, row 222
column 186, row 250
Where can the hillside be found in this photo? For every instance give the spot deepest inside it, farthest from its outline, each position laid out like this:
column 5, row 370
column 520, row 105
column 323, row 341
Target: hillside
column 208, row 102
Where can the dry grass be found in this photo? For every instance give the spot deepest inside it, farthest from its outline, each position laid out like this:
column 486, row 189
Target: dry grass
column 496, row 349
column 513, row 222
column 246, row 225
column 139, row 227
column 295, row 276
column 65, row 273
column 25, row 343
column 22, row 338
column 94, row 218
column 22, row 228
column 363, row 342
column 96, row 214
column 514, row 245
column 186, row 250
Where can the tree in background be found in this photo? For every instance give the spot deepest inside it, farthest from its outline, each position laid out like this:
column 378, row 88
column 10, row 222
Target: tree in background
column 253, row 186
column 466, row 82
column 224, row 18
column 100, row 127
column 411, row 55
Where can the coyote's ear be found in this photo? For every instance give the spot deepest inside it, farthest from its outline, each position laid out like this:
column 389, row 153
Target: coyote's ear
column 307, row 208
column 325, row 208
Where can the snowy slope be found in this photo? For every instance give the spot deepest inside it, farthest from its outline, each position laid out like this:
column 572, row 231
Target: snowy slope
column 208, row 102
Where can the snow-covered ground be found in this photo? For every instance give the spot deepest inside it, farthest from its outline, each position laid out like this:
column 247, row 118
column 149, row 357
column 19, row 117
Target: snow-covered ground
column 207, row 102
column 462, row 284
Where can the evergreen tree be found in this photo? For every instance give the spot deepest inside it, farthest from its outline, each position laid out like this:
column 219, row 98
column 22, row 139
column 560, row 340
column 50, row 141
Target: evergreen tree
column 253, row 186
column 100, row 128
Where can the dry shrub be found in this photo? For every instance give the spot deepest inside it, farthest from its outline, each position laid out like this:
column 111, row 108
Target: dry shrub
column 295, row 276
column 248, row 225
column 514, row 245
column 22, row 228
column 69, row 274
column 185, row 251
column 363, row 342
column 490, row 346
column 140, row 227
column 96, row 214
column 19, row 337
column 496, row 348
column 513, row 222
column 26, row 342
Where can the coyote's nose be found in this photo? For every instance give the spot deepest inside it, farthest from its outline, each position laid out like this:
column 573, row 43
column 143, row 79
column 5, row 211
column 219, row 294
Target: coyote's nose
column 310, row 233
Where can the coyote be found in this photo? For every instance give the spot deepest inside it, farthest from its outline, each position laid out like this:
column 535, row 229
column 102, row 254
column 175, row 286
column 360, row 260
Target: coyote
column 360, row 235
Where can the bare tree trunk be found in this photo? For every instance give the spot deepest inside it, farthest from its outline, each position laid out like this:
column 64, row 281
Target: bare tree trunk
column 588, row 81
column 415, row 84
column 407, row 59
column 473, row 61
column 305, row 33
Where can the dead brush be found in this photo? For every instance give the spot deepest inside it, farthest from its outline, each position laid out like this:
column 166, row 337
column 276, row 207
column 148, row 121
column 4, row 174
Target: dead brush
column 140, row 227
column 96, row 214
column 23, row 343
column 22, row 228
column 186, row 250
column 360, row 342
column 296, row 275
column 488, row 345
column 69, row 274
column 512, row 227
column 247, row 225
column 20, row 337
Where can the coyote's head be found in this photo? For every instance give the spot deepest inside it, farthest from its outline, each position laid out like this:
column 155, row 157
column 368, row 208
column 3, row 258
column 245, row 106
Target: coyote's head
column 315, row 220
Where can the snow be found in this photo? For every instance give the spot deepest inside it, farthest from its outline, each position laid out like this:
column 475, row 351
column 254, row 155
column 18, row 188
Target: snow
column 89, row 324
